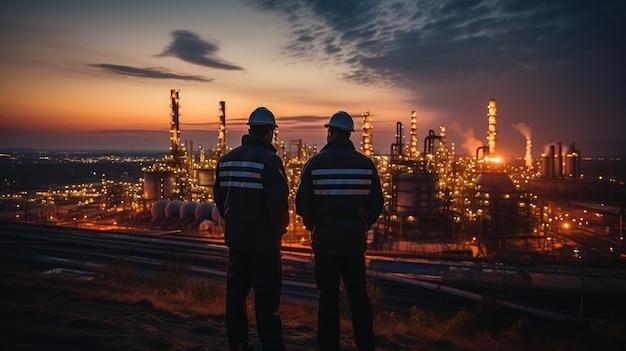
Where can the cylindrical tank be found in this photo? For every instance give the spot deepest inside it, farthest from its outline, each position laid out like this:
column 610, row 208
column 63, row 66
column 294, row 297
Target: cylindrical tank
column 173, row 208
column 572, row 165
column 545, row 166
column 188, row 209
column 205, row 225
column 494, row 183
column 415, row 193
column 552, row 160
column 204, row 210
column 158, row 209
column 497, row 200
column 158, row 184
column 206, row 176
column 572, row 162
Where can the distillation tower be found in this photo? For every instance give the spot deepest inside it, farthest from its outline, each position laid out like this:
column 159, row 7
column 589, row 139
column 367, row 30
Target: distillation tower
column 221, row 130
column 491, row 128
column 169, row 178
column 413, row 153
column 367, row 133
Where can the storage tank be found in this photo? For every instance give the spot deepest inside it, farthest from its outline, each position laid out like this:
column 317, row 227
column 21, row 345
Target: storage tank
column 494, row 183
column 158, row 209
column 205, row 225
column 173, row 208
column 206, row 177
column 415, row 193
column 188, row 209
column 203, row 211
column 498, row 201
column 572, row 162
column 158, row 184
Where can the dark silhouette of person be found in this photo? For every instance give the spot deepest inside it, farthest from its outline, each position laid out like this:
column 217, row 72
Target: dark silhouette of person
column 339, row 198
column 251, row 193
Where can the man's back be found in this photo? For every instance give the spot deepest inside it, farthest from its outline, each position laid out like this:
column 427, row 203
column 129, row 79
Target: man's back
column 251, row 194
column 339, row 198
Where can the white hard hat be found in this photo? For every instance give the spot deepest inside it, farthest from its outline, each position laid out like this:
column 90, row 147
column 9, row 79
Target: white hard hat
column 262, row 116
column 341, row 120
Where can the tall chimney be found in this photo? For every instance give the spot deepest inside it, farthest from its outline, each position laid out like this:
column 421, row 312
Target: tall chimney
column 413, row 141
column 551, row 162
column 491, row 129
column 529, row 157
column 221, row 131
column 175, row 147
column 367, row 134
column 559, row 161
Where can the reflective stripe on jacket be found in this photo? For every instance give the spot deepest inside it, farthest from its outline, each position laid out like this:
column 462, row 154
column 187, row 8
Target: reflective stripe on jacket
column 339, row 198
column 250, row 193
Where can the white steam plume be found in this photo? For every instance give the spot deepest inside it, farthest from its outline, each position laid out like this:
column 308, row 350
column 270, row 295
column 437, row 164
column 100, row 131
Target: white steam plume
column 469, row 143
column 524, row 129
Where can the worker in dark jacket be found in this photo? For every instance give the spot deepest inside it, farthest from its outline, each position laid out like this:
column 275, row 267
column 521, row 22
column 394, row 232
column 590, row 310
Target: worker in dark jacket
column 251, row 195
column 339, row 198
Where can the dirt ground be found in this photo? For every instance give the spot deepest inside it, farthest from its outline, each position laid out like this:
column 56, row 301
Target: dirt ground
column 54, row 312
column 44, row 313
column 60, row 312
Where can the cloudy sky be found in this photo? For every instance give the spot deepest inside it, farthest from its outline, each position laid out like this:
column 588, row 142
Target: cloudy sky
column 92, row 75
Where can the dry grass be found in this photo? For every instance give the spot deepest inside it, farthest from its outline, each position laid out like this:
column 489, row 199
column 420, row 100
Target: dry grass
column 487, row 326
column 168, row 290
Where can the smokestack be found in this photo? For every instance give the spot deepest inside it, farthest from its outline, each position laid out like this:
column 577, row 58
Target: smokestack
column 572, row 162
column 525, row 130
column 174, row 124
column 413, row 141
column 551, row 162
column 367, row 134
column 529, row 157
column 559, row 160
column 221, row 132
column 491, row 128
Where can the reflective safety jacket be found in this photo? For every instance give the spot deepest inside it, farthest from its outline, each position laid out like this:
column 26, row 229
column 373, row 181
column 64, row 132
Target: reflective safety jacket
column 250, row 193
column 339, row 198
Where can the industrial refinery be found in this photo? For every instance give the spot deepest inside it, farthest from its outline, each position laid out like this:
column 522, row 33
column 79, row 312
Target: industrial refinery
column 436, row 200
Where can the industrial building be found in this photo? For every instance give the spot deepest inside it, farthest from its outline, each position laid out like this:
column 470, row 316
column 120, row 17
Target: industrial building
column 435, row 200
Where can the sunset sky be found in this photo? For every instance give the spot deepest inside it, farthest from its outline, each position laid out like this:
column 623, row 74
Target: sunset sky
column 97, row 74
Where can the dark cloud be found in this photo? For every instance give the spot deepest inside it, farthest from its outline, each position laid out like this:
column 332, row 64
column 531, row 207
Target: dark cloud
column 189, row 47
column 557, row 66
column 155, row 73
column 414, row 43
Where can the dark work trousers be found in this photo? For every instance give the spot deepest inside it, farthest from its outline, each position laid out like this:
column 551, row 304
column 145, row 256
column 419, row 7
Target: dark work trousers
column 351, row 269
column 261, row 271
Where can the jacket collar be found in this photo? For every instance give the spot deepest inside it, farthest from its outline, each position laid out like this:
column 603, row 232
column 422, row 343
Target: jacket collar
column 339, row 143
column 258, row 141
